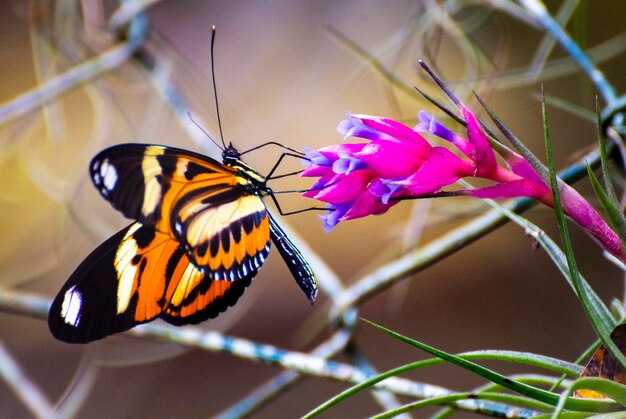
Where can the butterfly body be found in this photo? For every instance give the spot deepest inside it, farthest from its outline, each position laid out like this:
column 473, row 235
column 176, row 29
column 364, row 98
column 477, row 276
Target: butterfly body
column 201, row 233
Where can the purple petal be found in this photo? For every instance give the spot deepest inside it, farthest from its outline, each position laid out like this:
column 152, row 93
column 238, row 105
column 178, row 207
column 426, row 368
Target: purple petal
column 333, row 216
column 390, row 130
column 384, row 190
column 347, row 164
column 316, row 158
column 429, row 123
column 354, row 127
column 319, row 185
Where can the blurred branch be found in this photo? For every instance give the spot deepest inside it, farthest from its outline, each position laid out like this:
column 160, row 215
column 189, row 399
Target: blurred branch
column 23, row 388
column 537, row 9
column 242, row 348
column 547, row 43
column 344, row 301
column 77, row 75
column 273, row 387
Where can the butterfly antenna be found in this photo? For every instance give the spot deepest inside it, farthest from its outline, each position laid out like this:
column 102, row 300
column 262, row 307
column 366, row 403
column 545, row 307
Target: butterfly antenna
column 203, row 130
column 217, row 105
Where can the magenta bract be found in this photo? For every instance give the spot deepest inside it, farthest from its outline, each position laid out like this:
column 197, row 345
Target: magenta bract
column 357, row 180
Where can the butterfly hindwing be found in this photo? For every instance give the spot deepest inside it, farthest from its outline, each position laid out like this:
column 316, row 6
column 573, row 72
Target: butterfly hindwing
column 206, row 206
column 135, row 276
column 200, row 236
column 204, row 300
column 604, row 365
column 223, row 230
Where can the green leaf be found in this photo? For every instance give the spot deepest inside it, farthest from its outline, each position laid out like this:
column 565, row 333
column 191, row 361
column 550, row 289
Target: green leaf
column 608, row 388
column 496, row 397
column 540, row 361
column 433, row 401
column 612, row 207
column 536, row 164
column 598, row 319
column 604, row 160
column 576, row 415
column 526, row 390
column 616, row 217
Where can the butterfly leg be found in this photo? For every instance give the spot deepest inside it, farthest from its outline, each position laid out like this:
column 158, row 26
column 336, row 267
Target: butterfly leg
column 280, row 159
column 281, row 212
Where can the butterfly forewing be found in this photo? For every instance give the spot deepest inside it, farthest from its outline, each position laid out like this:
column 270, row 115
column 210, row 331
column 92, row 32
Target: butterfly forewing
column 199, row 202
column 200, row 236
column 135, row 276
column 86, row 307
column 142, row 181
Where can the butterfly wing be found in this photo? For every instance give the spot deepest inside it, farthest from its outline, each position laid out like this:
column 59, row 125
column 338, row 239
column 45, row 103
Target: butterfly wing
column 135, row 276
column 297, row 264
column 199, row 202
column 604, row 365
column 143, row 181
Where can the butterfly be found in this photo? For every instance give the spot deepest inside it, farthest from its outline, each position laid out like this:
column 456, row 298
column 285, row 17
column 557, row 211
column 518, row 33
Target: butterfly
column 604, row 365
column 201, row 234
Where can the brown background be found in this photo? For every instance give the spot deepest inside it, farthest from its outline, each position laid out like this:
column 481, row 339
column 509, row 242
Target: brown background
column 282, row 76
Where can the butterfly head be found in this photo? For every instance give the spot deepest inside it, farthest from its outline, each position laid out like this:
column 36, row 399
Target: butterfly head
column 230, row 155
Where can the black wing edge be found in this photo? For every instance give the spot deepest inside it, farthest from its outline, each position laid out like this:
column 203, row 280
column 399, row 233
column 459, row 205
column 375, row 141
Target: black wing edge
column 215, row 308
column 92, row 292
column 297, row 264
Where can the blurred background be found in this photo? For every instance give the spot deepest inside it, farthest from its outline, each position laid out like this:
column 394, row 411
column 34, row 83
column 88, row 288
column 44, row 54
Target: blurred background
column 286, row 72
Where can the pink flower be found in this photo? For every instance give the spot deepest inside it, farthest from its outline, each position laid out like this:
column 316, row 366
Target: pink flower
column 357, row 180
column 363, row 179
column 397, row 162
column 343, row 184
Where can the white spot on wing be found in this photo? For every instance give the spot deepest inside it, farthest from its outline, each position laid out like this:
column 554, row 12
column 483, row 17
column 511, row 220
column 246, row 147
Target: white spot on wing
column 70, row 309
column 108, row 174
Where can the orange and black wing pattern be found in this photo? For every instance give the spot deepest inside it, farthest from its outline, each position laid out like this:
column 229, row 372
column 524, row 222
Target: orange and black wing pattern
column 204, row 205
column 201, row 234
column 604, row 365
column 135, row 276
